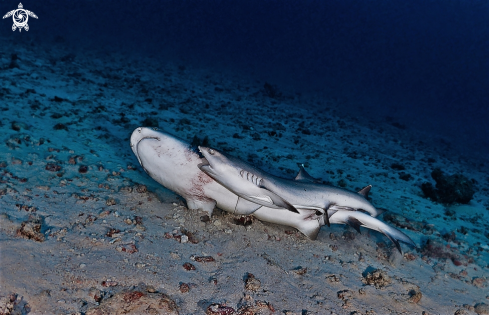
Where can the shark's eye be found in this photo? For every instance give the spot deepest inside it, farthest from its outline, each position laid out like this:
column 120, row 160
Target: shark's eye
column 319, row 213
column 211, row 151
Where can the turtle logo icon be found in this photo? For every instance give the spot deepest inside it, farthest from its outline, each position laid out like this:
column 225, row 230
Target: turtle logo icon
column 20, row 17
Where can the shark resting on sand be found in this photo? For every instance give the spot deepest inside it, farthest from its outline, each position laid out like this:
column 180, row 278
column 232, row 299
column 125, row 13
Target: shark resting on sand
column 239, row 188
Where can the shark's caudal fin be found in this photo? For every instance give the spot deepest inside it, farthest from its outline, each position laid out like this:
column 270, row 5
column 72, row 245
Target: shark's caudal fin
column 357, row 219
column 380, row 211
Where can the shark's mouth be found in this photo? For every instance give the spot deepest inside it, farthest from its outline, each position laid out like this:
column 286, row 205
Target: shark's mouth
column 203, row 152
column 205, row 163
column 136, row 149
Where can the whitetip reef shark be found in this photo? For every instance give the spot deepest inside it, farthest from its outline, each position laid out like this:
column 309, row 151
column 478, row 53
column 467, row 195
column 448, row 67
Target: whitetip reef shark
column 239, row 188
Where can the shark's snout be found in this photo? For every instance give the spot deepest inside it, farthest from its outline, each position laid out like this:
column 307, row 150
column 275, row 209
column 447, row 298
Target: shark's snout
column 139, row 135
column 208, row 156
column 206, row 151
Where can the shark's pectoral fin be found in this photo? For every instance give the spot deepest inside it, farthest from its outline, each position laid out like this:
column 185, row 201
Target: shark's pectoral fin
column 206, row 204
column 310, row 231
column 354, row 223
column 276, row 200
column 244, row 206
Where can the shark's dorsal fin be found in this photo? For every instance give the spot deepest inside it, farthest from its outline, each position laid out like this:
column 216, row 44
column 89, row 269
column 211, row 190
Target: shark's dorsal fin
column 365, row 190
column 304, row 176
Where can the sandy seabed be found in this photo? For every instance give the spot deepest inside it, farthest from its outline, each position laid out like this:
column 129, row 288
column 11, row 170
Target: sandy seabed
column 83, row 230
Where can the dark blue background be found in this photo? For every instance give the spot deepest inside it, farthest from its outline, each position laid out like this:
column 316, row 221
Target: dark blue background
column 423, row 62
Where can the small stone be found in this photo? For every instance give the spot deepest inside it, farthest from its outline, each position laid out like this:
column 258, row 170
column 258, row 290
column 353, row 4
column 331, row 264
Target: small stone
column 184, row 287
column 110, row 202
column 479, row 282
column 82, row 266
column 188, row 266
column 16, row 161
column 126, row 189
column 217, row 309
column 415, row 296
column 53, row 167
column 300, row 270
column 141, row 189
column 333, row 278
column 184, row 239
column 345, row 294
column 104, row 213
column 203, row 259
column 31, row 229
column 140, row 265
column 18, row 125
column 60, row 126
column 244, row 220
column 217, row 223
column 378, row 278
column 481, row 309
column 109, row 283
column 252, row 283
column 150, row 289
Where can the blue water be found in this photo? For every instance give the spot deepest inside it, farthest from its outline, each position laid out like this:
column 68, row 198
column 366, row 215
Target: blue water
column 424, row 63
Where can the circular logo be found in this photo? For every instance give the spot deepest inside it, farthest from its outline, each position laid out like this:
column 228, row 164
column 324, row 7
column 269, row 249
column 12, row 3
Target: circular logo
column 20, row 18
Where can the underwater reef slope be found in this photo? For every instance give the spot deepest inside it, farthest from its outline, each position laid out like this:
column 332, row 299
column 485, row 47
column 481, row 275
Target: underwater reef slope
column 83, row 230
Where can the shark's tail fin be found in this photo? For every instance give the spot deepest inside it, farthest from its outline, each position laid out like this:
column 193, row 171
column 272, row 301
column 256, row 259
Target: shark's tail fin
column 380, row 211
column 357, row 219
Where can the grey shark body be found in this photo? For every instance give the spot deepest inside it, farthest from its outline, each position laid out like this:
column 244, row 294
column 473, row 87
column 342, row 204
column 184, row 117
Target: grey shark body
column 251, row 184
column 244, row 189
